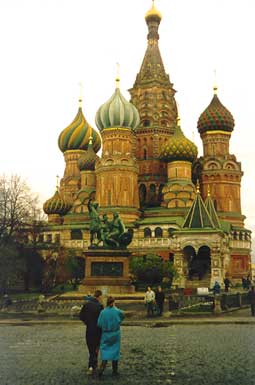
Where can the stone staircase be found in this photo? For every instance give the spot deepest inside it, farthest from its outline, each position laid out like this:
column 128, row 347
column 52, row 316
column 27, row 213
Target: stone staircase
column 195, row 283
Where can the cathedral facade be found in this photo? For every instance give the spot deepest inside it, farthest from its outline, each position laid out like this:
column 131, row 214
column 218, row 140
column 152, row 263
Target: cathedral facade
column 184, row 208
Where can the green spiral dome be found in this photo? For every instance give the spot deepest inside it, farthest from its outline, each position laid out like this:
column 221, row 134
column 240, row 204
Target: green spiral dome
column 215, row 117
column 76, row 135
column 56, row 205
column 178, row 147
column 88, row 160
column 117, row 112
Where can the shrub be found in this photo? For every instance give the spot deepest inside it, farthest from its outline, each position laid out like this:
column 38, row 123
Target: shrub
column 152, row 269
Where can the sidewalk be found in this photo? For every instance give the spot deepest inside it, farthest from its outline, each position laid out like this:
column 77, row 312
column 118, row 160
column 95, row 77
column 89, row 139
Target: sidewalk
column 241, row 316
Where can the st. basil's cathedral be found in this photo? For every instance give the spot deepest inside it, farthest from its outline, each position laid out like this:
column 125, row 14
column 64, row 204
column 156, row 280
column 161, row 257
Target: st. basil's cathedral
column 182, row 207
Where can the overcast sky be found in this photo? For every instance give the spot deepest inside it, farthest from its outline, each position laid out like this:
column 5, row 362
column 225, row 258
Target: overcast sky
column 49, row 46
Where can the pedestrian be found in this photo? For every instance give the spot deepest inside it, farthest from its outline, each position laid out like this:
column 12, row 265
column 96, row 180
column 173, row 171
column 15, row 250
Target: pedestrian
column 160, row 298
column 227, row 283
column 7, row 301
column 251, row 297
column 89, row 316
column 248, row 282
column 216, row 288
column 149, row 300
column 244, row 283
column 109, row 321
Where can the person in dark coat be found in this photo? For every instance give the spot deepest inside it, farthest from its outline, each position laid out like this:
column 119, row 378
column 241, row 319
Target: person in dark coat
column 160, row 298
column 251, row 297
column 226, row 284
column 89, row 316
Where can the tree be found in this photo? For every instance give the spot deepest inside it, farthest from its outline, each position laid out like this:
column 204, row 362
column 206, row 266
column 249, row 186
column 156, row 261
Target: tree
column 19, row 213
column 17, row 206
column 11, row 266
column 152, row 269
column 75, row 267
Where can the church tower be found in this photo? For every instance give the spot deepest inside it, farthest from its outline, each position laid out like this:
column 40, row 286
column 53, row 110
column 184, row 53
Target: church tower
column 153, row 96
column 116, row 170
column 220, row 172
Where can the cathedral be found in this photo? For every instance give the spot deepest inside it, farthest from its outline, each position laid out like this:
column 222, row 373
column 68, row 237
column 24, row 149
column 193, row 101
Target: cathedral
column 182, row 207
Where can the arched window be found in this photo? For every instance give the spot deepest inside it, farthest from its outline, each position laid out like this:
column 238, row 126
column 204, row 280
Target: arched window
column 152, row 193
column 146, row 123
column 158, row 232
column 160, row 194
column 215, row 204
column 147, row 232
column 142, row 193
column 76, row 234
column 144, row 153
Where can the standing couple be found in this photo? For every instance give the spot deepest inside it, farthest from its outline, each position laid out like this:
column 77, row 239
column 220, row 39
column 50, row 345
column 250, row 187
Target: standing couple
column 102, row 333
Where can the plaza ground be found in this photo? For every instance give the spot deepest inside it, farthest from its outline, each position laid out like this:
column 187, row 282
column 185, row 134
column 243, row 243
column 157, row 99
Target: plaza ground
column 221, row 352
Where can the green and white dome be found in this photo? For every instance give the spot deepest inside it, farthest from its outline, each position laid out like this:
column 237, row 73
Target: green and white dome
column 117, row 112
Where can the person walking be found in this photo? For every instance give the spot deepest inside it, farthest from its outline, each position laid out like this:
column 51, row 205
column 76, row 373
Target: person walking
column 227, row 283
column 160, row 298
column 216, row 288
column 109, row 321
column 251, row 297
column 89, row 316
column 149, row 300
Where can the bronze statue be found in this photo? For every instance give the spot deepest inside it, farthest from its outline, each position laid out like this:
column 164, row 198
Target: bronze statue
column 105, row 233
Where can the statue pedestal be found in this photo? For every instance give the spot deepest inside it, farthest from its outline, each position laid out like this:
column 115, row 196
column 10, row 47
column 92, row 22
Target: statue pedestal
column 107, row 270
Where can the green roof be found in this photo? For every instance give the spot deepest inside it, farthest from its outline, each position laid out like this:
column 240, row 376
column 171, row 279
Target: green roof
column 198, row 216
column 211, row 210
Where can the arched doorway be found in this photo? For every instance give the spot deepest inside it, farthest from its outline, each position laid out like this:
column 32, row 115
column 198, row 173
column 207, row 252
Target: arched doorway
column 204, row 258
column 189, row 255
column 198, row 265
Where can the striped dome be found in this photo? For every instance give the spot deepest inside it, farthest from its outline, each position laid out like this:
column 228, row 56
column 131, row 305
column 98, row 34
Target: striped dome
column 76, row 135
column 88, row 160
column 117, row 112
column 56, row 205
column 179, row 147
column 215, row 117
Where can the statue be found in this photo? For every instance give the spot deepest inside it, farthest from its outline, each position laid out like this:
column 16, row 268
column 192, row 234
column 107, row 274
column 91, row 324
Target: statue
column 105, row 233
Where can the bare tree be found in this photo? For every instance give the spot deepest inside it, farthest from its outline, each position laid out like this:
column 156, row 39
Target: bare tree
column 17, row 206
column 20, row 219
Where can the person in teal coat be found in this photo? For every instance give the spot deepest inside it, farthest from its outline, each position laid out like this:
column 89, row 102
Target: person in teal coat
column 109, row 321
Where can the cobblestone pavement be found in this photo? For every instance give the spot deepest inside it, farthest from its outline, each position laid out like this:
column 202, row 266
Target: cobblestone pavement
column 177, row 355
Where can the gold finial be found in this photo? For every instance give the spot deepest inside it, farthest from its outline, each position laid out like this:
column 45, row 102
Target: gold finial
column 215, row 87
column 57, row 185
column 90, row 140
column 117, row 79
column 197, row 186
column 208, row 191
column 81, row 94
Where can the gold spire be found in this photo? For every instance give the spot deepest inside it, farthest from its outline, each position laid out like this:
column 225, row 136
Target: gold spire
column 81, row 94
column 90, row 140
column 208, row 191
column 215, row 87
column 117, row 79
column 197, row 186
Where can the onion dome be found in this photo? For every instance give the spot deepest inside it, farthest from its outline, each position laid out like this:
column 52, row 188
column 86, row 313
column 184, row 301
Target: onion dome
column 76, row 135
column 57, row 205
column 215, row 117
column 88, row 160
column 179, row 147
column 117, row 112
column 153, row 13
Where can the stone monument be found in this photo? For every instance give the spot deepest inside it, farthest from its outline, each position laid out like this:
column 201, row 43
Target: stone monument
column 107, row 261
